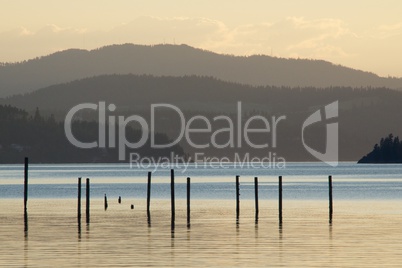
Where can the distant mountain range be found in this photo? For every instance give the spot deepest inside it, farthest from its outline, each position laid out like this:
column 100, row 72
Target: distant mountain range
column 180, row 60
column 133, row 77
column 365, row 113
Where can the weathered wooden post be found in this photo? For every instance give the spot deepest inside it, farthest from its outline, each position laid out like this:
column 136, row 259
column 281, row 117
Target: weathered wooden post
column 280, row 199
column 172, row 198
column 330, row 198
column 79, row 201
column 79, row 207
column 25, row 184
column 237, row 198
column 256, row 198
column 87, row 201
column 149, row 197
column 188, row 202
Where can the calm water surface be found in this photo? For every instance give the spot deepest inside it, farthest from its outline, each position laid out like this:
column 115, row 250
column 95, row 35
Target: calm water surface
column 301, row 181
column 366, row 229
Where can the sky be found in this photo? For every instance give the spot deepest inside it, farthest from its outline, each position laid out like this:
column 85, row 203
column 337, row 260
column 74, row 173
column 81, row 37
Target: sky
column 361, row 34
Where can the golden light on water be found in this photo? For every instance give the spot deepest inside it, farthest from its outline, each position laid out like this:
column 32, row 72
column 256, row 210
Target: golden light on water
column 363, row 233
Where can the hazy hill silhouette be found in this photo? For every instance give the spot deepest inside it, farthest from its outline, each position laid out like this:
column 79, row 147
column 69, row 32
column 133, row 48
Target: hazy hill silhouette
column 365, row 113
column 180, row 60
column 134, row 92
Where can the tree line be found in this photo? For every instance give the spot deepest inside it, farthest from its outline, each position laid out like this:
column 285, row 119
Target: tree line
column 43, row 140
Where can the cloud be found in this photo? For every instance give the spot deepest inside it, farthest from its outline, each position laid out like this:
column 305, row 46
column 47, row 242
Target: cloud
column 25, row 32
column 151, row 30
column 319, row 38
column 22, row 43
column 326, row 38
column 390, row 30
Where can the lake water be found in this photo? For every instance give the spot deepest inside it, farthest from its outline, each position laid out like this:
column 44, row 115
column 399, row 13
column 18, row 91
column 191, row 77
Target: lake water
column 365, row 230
column 300, row 181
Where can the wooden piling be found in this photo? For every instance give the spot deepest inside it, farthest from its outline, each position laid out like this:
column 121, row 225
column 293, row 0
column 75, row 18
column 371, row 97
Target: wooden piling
column 237, row 198
column 172, row 198
column 87, row 201
column 330, row 198
column 25, row 184
column 79, row 201
column 280, row 199
column 188, row 201
column 256, row 198
column 26, row 197
column 149, row 195
column 105, row 203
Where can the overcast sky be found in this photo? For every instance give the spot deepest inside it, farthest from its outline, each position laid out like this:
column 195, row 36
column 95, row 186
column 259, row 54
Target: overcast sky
column 365, row 35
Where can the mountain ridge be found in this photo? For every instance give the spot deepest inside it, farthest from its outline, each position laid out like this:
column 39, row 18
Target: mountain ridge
column 181, row 60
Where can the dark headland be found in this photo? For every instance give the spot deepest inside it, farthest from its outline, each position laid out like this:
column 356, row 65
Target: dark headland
column 388, row 151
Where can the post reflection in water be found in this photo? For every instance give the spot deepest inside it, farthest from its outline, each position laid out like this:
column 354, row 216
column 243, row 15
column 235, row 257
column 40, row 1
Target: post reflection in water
column 26, row 224
column 256, row 231
column 26, row 262
column 149, row 219
column 188, row 237
column 87, row 232
column 79, row 230
column 280, row 242
column 330, row 244
column 172, row 247
column 172, row 236
column 25, row 239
